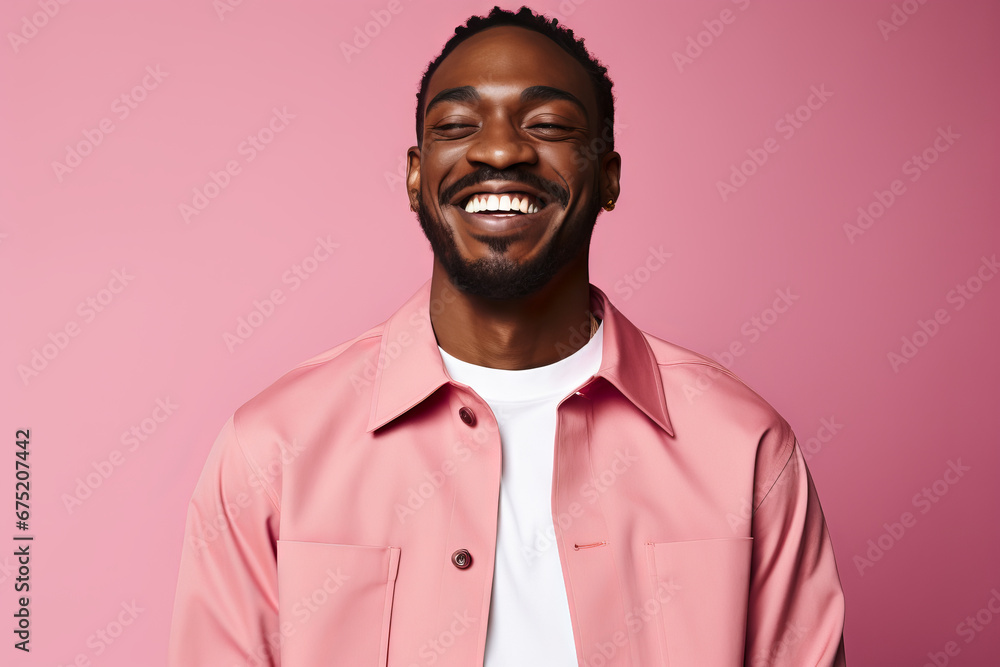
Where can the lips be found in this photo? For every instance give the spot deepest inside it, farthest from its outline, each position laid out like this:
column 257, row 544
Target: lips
column 481, row 197
column 514, row 202
column 494, row 222
column 489, row 207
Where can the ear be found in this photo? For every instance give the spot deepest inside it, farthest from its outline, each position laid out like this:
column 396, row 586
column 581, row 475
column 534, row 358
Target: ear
column 611, row 171
column 413, row 175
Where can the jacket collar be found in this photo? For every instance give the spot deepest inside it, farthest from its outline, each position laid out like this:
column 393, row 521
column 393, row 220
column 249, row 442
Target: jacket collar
column 410, row 367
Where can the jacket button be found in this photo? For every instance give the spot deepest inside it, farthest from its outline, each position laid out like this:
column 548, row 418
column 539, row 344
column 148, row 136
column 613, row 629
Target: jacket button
column 461, row 559
column 467, row 415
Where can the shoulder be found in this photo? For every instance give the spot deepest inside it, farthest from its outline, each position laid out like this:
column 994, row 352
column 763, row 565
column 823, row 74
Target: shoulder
column 700, row 376
column 338, row 379
column 701, row 390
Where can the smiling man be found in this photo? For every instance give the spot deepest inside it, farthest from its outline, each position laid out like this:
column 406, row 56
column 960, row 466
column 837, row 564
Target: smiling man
column 507, row 472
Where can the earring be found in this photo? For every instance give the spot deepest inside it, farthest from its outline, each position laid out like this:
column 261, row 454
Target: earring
column 610, row 206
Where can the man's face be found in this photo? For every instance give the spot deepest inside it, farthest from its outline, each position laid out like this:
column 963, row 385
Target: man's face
column 481, row 138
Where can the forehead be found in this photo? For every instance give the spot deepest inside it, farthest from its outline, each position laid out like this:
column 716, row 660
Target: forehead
column 514, row 57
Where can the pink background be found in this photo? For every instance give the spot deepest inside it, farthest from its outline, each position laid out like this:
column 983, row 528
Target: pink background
column 335, row 171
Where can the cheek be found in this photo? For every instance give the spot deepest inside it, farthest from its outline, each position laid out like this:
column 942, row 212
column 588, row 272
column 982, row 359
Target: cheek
column 566, row 157
column 434, row 169
column 573, row 167
column 442, row 156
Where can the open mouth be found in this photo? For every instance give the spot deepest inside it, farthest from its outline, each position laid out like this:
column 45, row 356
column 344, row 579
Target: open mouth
column 504, row 203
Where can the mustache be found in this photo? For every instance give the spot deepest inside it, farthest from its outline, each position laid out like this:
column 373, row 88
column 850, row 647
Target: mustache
column 554, row 190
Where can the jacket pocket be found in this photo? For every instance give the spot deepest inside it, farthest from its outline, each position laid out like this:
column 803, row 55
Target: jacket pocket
column 704, row 588
column 335, row 602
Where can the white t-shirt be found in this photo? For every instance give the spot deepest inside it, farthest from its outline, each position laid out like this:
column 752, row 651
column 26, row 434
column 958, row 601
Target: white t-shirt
column 529, row 621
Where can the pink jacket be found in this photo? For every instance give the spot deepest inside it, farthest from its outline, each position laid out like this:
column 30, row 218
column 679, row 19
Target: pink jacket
column 347, row 515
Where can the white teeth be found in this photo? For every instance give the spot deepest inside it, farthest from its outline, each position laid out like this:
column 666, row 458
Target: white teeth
column 502, row 202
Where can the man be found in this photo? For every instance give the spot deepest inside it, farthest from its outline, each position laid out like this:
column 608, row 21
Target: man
column 507, row 471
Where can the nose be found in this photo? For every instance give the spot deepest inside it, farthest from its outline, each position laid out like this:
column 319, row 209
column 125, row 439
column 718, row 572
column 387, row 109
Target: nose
column 501, row 144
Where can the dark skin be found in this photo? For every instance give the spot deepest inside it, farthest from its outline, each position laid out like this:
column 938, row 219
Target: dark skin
column 511, row 298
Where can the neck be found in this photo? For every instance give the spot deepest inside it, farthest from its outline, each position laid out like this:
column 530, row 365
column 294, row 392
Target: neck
column 514, row 334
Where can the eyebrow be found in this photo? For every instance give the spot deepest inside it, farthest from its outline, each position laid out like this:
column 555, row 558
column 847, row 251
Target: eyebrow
column 469, row 95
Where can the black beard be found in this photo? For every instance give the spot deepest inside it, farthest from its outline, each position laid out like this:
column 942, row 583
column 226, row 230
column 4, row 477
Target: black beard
column 497, row 276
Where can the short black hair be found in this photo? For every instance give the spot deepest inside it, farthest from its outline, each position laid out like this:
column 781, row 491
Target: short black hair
column 561, row 35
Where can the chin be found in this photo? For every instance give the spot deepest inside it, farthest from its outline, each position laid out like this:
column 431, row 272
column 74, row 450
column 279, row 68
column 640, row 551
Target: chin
column 497, row 276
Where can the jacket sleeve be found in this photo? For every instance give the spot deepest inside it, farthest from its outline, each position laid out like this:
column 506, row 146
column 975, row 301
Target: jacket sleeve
column 796, row 606
column 226, row 604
